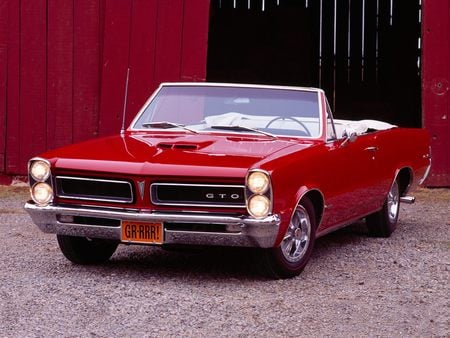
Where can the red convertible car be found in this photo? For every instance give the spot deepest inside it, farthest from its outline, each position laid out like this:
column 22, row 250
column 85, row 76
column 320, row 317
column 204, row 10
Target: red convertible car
column 210, row 164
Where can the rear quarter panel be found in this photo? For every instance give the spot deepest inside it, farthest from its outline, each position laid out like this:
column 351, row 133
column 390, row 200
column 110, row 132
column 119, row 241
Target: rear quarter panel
column 401, row 148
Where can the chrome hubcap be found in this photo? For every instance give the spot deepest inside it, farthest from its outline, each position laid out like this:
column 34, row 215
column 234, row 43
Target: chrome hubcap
column 393, row 200
column 296, row 241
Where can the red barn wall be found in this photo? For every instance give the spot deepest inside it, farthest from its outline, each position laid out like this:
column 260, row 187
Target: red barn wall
column 63, row 66
column 436, row 87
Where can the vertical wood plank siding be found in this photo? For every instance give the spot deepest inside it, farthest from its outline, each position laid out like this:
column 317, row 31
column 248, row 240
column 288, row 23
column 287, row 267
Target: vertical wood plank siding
column 33, row 80
column 13, row 130
column 3, row 73
column 59, row 72
column 116, row 49
column 436, row 87
column 63, row 66
column 87, row 41
column 142, row 54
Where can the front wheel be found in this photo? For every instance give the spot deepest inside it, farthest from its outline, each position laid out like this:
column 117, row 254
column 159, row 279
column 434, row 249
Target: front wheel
column 290, row 258
column 82, row 250
column 384, row 222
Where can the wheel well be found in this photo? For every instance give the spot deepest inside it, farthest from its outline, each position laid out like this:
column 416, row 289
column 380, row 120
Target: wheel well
column 316, row 198
column 404, row 178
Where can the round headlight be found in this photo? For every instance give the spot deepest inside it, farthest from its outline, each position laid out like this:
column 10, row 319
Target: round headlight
column 40, row 170
column 258, row 182
column 42, row 193
column 258, row 206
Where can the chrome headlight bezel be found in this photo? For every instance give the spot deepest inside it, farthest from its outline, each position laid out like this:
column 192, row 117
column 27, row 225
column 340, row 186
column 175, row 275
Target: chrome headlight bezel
column 258, row 182
column 39, row 170
column 43, row 187
column 262, row 188
column 40, row 176
column 259, row 206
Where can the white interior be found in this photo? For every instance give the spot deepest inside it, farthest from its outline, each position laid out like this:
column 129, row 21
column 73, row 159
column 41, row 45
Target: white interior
column 360, row 127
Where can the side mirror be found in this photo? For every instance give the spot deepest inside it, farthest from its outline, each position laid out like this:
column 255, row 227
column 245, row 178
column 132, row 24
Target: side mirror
column 349, row 135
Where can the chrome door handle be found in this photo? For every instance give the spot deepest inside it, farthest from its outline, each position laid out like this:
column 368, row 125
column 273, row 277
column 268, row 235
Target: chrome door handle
column 371, row 148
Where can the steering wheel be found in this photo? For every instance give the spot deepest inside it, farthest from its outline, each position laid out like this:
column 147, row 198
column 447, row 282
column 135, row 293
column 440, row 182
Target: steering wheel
column 307, row 132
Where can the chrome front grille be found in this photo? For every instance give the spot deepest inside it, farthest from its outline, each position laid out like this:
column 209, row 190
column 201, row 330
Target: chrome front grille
column 94, row 189
column 203, row 195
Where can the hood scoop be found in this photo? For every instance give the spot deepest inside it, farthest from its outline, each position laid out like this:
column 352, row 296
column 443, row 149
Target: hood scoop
column 177, row 146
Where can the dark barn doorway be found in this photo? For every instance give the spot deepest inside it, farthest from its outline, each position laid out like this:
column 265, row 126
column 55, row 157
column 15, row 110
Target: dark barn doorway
column 364, row 53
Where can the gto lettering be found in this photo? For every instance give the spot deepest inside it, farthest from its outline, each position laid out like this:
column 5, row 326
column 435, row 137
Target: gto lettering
column 222, row 196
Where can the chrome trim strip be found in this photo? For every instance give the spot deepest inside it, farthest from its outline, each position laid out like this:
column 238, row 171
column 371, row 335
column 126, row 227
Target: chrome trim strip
column 200, row 204
column 245, row 230
column 319, row 217
column 155, row 216
column 92, row 179
column 343, row 224
column 130, row 200
column 201, row 185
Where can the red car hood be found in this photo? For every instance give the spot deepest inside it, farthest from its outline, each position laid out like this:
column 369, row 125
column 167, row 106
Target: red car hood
column 170, row 154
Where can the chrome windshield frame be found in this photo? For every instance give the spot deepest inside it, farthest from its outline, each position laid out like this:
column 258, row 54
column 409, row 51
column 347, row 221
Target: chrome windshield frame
column 319, row 92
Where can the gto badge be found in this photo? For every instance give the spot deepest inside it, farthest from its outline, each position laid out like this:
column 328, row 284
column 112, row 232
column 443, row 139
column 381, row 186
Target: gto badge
column 141, row 186
column 222, row 196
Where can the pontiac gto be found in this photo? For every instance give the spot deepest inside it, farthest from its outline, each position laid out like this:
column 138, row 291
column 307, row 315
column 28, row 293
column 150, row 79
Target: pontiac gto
column 210, row 164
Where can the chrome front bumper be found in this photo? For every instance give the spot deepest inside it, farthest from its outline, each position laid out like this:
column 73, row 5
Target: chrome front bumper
column 240, row 230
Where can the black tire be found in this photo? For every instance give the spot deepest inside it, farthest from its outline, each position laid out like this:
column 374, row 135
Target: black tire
column 85, row 251
column 384, row 222
column 286, row 261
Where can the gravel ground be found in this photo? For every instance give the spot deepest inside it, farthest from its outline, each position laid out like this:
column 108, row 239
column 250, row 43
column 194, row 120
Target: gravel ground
column 354, row 285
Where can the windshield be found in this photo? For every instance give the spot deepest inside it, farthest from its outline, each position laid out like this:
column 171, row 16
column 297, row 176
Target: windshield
column 269, row 111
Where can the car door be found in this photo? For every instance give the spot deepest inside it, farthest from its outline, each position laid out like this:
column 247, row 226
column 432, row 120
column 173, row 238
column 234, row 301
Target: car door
column 351, row 186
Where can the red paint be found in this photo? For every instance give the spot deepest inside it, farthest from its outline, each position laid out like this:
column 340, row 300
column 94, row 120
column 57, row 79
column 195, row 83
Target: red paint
column 63, row 66
column 60, row 73
column 33, row 83
column 195, row 34
column 137, row 157
column 3, row 78
column 352, row 178
column 436, row 87
column 142, row 55
column 114, row 64
column 169, row 41
column 87, row 68
column 14, row 165
column 13, row 180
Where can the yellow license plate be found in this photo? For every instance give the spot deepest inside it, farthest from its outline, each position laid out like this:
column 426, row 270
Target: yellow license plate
column 142, row 232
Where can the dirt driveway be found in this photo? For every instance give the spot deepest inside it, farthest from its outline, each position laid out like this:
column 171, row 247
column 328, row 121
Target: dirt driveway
column 354, row 285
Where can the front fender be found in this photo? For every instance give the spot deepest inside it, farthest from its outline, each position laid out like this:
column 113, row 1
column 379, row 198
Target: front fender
column 287, row 206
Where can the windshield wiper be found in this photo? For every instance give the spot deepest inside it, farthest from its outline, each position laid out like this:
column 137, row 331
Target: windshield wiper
column 167, row 125
column 242, row 128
